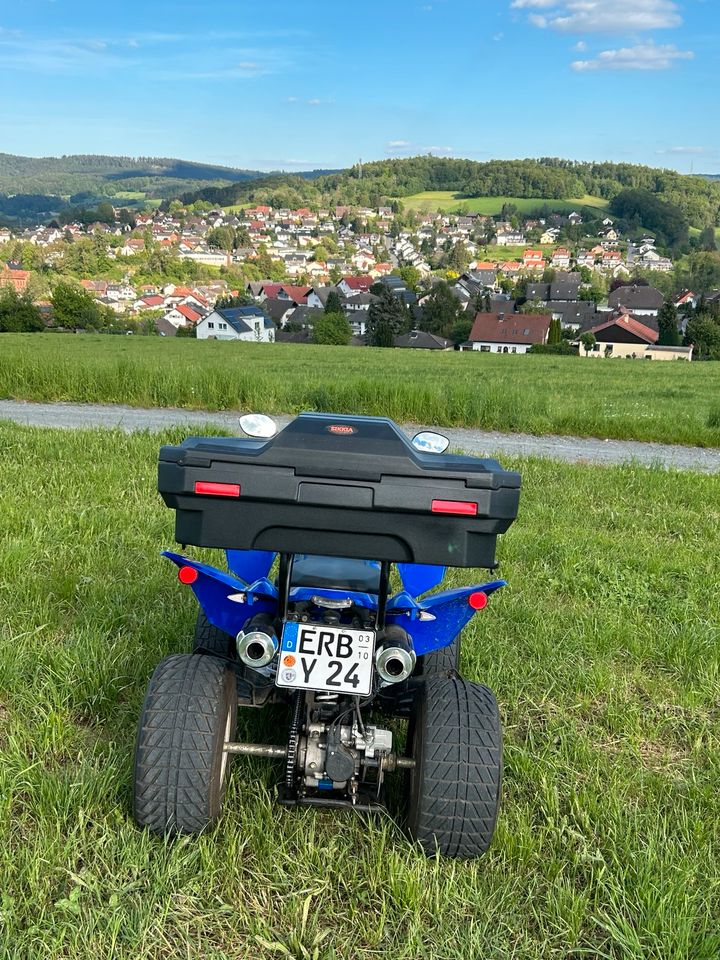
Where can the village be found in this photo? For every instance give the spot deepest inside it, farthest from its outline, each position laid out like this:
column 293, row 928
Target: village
column 517, row 282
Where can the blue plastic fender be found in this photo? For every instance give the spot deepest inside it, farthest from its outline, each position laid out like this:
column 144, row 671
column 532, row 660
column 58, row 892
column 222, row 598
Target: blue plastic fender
column 450, row 609
column 214, row 588
column 418, row 578
column 249, row 565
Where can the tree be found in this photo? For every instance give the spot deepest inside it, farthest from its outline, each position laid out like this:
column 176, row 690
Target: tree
column 236, row 300
column 555, row 332
column 667, row 325
column 18, row 314
column 587, row 340
column 386, row 319
column 461, row 329
column 75, row 308
column 332, row 328
column 221, row 238
column 703, row 333
column 411, row 275
column 458, row 257
column 334, row 303
column 707, row 239
column 441, row 310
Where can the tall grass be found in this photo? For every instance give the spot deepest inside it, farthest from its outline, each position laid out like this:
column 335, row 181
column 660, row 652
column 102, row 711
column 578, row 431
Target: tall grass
column 670, row 402
column 605, row 655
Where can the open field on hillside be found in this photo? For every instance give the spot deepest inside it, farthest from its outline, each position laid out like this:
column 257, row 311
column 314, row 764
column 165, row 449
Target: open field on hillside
column 604, row 656
column 432, row 200
column 667, row 402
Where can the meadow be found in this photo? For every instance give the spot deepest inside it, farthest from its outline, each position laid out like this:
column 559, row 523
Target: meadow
column 667, row 402
column 431, row 201
column 604, row 653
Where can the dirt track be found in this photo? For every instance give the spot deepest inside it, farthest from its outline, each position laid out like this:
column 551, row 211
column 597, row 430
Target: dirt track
column 570, row 449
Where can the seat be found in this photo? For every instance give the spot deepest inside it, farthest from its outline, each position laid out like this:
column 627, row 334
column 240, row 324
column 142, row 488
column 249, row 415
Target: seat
column 336, row 573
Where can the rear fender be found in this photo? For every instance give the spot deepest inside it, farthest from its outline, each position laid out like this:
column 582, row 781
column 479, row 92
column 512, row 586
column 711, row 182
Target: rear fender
column 226, row 601
column 450, row 612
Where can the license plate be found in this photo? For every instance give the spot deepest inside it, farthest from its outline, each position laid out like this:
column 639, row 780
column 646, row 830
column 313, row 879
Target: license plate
column 320, row 657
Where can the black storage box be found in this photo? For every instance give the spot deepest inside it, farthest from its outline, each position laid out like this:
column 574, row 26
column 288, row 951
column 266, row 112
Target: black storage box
column 338, row 486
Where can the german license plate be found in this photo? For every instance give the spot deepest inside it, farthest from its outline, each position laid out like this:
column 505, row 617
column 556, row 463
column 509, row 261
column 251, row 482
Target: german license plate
column 320, row 657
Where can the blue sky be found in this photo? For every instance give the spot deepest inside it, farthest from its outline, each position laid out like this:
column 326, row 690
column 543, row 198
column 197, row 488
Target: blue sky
column 291, row 85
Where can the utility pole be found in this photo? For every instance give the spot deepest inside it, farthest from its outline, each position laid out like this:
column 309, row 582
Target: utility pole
column 360, row 168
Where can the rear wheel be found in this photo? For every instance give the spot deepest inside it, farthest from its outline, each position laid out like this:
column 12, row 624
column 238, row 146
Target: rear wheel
column 209, row 639
column 190, row 711
column 444, row 660
column 455, row 738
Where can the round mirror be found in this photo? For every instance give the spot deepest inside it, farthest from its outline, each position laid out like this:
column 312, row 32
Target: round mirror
column 258, row 425
column 428, row 442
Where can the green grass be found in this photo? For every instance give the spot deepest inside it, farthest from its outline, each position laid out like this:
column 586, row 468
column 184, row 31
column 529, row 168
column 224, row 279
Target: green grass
column 432, row 200
column 604, row 656
column 668, row 402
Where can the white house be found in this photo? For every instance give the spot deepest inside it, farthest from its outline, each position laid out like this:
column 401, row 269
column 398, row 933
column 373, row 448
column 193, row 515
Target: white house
column 237, row 323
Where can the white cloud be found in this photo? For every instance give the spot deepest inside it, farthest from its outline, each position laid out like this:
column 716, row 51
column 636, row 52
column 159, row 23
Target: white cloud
column 580, row 46
column 643, row 56
column 602, row 16
column 682, row 151
column 398, row 143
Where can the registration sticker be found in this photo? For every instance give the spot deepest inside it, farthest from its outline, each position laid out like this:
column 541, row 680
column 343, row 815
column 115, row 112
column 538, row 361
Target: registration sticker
column 321, row 657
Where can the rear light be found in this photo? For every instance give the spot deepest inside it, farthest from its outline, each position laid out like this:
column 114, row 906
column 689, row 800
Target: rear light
column 465, row 508
column 187, row 575
column 217, row 489
column 478, row 600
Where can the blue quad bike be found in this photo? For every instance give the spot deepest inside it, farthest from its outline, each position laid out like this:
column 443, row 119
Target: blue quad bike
column 317, row 521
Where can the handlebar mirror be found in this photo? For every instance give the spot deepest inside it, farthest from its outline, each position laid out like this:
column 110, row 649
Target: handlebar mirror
column 258, row 425
column 429, row 442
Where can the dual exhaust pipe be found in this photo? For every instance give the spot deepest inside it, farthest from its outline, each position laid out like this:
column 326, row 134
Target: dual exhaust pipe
column 258, row 646
column 394, row 660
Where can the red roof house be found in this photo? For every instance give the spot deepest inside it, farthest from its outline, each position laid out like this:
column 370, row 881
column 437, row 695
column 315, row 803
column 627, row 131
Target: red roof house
column 508, row 332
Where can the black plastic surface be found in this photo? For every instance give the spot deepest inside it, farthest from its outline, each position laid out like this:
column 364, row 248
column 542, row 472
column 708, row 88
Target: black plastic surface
column 338, row 486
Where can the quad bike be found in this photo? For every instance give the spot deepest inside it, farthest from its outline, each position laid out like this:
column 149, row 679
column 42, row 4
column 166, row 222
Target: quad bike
column 312, row 520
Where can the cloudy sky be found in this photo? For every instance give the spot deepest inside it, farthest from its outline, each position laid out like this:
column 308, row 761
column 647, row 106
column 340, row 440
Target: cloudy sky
column 322, row 83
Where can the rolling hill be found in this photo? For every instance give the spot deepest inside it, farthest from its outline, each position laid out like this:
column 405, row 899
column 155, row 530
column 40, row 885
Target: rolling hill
column 33, row 187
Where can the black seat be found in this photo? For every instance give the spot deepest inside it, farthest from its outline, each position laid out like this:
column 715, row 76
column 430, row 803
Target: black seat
column 336, row 573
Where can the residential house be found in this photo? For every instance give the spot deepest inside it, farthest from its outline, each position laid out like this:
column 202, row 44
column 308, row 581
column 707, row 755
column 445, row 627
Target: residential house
column 182, row 315
column 12, row 276
column 626, row 337
column 641, row 301
column 352, row 285
column 421, row 340
column 510, row 238
column 508, row 333
column 533, row 260
column 585, row 258
column 237, row 323
column 561, row 258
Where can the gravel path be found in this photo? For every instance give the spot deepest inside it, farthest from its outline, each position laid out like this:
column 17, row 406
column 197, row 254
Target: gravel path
column 570, row 449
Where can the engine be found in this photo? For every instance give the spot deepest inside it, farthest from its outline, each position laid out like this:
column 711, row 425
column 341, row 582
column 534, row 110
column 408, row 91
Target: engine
column 337, row 756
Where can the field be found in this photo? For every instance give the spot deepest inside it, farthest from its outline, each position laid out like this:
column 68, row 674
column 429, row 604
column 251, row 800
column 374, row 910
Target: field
column 667, row 402
column 432, row 200
column 604, row 653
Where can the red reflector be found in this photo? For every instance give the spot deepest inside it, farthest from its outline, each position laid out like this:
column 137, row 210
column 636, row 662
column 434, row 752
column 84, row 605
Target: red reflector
column 187, row 575
column 478, row 601
column 463, row 507
column 217, row 489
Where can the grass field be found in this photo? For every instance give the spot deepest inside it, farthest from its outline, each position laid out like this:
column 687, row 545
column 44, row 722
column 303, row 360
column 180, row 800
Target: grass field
column 432, row 200
column 670, row 402
column 604, row 654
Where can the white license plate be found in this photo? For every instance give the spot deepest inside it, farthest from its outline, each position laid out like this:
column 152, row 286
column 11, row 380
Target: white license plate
column 320, row 657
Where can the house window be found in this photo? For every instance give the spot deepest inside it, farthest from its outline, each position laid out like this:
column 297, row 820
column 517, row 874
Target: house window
column 514, row 349
column 484, row 348
column 223, row 326
column 211, row 325
column 526, row 332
